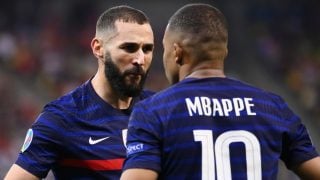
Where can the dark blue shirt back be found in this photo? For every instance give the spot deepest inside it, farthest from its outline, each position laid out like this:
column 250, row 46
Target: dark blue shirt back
column 215, row 128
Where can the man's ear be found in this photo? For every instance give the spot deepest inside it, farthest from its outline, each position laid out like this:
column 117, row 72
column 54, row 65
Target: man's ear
column 178, row 54
column 97, row 49
column 226, row 53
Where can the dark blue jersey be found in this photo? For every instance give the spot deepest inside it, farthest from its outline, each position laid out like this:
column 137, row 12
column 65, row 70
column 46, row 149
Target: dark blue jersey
column 78, row 136
column 215, row 128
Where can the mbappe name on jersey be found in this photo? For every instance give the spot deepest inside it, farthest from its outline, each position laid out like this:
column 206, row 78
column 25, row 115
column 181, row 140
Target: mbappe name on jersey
column 205, row 106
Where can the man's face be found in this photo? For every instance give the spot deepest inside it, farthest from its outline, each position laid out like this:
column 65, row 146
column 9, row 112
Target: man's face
column 169, row 58
column 128, row 55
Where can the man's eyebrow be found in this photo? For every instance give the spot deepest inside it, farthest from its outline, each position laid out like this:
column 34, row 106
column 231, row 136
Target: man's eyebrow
column 149, row 44
column 135, row 43
column 129, row 43
column 124, row 44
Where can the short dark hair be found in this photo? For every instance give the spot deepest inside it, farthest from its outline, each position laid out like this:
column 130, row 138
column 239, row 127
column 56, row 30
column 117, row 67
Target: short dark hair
column 200, row 20
column 120, row 13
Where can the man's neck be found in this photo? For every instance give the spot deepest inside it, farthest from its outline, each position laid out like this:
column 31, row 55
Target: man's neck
column 205, row 73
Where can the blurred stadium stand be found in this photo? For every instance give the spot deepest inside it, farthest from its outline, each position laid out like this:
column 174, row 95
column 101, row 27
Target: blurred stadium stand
column 45, row 52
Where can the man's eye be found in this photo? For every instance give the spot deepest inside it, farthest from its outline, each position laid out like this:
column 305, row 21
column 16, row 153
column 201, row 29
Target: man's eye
column 147, row 48
column 130, row 48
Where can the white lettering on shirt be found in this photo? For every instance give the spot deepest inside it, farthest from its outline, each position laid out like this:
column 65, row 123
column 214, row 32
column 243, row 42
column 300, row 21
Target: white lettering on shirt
column 204, row 106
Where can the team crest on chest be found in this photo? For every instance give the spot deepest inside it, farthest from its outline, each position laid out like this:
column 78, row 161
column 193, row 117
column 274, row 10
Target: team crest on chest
column 27, row 140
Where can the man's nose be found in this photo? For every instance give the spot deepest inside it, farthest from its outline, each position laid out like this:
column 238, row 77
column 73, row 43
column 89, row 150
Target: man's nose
column 139, row 57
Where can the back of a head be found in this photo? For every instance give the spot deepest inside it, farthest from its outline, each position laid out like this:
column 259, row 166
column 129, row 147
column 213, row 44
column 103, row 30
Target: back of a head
column 121, row 13
column 203, row 28
column 200, row 20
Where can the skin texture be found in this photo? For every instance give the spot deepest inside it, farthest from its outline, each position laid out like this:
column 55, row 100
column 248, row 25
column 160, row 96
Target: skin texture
column 18, row 173
column 128, row 48
column 309, row 170
column 180, row 60
column 139, row 174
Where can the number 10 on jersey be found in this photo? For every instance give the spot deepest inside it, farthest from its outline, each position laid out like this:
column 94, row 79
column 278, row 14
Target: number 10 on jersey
column 218, row 154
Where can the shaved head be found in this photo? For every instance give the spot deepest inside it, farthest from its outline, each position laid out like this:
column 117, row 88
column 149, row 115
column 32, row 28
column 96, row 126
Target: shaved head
column 106, row 21
column 200, row 28
column 201, row 20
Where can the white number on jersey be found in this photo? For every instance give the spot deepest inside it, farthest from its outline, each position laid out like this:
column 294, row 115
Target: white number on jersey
column 220, row 150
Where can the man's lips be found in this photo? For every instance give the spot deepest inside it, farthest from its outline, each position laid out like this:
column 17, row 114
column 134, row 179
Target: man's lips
column 134, row 76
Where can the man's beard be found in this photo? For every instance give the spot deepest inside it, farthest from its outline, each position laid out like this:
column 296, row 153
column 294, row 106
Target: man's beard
column 117, row 79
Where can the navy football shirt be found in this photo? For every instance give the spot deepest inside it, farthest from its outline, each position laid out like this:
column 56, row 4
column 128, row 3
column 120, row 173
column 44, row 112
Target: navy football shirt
column 78, row 136
column 215, row 128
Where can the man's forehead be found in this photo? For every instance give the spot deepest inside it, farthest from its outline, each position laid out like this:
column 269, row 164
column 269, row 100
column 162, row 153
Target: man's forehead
column 131, row 33
column 133, row 29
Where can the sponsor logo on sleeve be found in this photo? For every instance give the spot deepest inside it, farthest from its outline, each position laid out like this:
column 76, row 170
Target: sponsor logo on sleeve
column 27, row 140
column 134, row 148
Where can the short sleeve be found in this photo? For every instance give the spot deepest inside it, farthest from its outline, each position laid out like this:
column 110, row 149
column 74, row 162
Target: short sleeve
column 297, row 145
column 40, row 149
column 143, row 140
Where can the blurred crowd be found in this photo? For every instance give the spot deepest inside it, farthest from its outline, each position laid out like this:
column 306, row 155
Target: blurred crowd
column 287, row 41
column 45, row 52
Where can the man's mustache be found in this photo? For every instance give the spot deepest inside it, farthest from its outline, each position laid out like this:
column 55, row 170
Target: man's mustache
column 137, row 70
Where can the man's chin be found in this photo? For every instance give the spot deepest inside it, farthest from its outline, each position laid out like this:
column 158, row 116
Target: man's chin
column 132, row 92
column 133, row 85
column 133, row 80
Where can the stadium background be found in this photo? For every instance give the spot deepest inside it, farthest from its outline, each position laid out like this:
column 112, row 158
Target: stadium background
column 45, row 52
